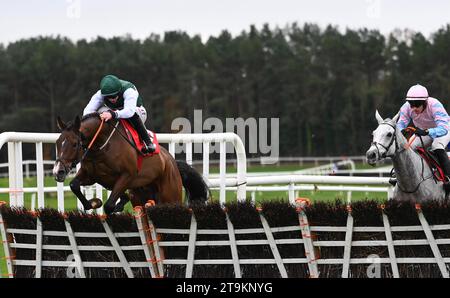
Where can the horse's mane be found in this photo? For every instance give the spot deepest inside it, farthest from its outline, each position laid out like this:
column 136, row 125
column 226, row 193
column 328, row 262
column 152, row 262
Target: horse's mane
column 91, row 115
column 70, row 124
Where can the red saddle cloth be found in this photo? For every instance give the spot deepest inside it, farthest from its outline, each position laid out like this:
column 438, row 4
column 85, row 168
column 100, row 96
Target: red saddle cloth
column 434, row 165
column 133, row 136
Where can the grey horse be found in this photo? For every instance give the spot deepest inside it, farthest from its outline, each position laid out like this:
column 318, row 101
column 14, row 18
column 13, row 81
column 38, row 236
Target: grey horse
column 414, row 177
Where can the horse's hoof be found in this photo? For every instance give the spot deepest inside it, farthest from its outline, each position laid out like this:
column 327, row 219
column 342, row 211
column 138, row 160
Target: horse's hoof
column 96, row 203
column 118, row 209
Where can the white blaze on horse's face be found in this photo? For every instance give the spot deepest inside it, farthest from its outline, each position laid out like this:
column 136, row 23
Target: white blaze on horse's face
column 56, row 168
column 58, row 165
column 67, row 152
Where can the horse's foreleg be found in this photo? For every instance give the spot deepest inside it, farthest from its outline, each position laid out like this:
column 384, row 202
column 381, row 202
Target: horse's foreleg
column 124, row 199
column 118, row 189
column 75, row 185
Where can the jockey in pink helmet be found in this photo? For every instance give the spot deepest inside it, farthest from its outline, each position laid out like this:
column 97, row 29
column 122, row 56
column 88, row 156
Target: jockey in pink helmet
column 432, row 123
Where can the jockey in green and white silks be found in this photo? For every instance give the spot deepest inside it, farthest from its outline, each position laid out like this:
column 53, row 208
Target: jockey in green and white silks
column 119, row 99
column 432, row 123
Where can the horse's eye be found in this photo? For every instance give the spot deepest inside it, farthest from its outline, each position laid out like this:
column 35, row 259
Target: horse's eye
column 74, row 145
column 389, row 134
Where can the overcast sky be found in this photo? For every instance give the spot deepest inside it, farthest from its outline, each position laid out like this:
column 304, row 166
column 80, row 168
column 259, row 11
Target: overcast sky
column 78, row 19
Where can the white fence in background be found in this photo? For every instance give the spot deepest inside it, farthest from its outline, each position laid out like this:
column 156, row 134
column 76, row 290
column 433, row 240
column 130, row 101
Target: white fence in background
column 292, row 183
column 28, row 172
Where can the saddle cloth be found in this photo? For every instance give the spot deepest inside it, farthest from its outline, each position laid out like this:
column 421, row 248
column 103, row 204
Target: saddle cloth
column 133, row 136
column 432, row 162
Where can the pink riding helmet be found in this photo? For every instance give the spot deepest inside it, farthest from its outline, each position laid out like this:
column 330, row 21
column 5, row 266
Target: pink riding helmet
column 417, row 92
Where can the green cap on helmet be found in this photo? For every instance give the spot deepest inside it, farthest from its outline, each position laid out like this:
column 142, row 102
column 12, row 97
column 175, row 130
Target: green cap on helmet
column 110, row 85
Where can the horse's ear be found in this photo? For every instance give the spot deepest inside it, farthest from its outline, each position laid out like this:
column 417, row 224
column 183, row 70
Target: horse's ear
column 379, row 118
column 396, row 117
column 77, row 124
column 61, row 125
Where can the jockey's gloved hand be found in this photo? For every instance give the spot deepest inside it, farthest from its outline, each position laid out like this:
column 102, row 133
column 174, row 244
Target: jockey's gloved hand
column 421, row 132
column 405, row 132
column 113, row 114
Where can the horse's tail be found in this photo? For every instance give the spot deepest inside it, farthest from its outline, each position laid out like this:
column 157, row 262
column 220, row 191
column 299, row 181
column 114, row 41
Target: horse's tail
column 194, row 185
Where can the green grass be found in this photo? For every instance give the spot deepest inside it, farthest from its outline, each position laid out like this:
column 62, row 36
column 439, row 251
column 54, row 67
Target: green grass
column 214, row 169
column 261, row 168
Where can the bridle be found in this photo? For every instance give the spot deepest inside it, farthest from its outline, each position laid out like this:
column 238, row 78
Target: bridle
column 85, row 148
column 74, row 163
column 397, row 151
column 386, row 148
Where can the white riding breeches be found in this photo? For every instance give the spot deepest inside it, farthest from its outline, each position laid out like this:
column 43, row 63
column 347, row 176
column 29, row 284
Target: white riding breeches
column 438, row 143
column 141, row 111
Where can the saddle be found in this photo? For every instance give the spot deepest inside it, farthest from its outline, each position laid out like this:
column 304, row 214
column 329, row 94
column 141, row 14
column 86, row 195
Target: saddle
column 134, row 138
column 432, row 162
column 431, row 159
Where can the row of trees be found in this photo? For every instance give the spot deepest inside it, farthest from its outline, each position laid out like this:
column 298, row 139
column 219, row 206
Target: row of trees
column 323, row 84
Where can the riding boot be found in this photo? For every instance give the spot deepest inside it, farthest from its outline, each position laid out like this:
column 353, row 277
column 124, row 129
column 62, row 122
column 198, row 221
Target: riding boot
column 136, row 121
column 445, row 164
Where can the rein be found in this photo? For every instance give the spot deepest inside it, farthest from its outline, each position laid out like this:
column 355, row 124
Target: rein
column 418, row 185
column 96, row 134
column 110, row 135
column 93, row 140
column 411, row 139
column 106, row 142
column 75, row 162
column 124, row 137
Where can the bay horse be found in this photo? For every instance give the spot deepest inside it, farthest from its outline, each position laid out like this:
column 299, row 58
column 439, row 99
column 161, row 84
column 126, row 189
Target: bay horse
column 111, row 161
column 415, row 180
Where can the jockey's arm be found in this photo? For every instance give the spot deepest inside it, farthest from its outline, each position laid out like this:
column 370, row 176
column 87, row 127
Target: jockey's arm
column 404, row 118
column 437, row 132
column 442, row 120
column 94, row 104
column 130, row 97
